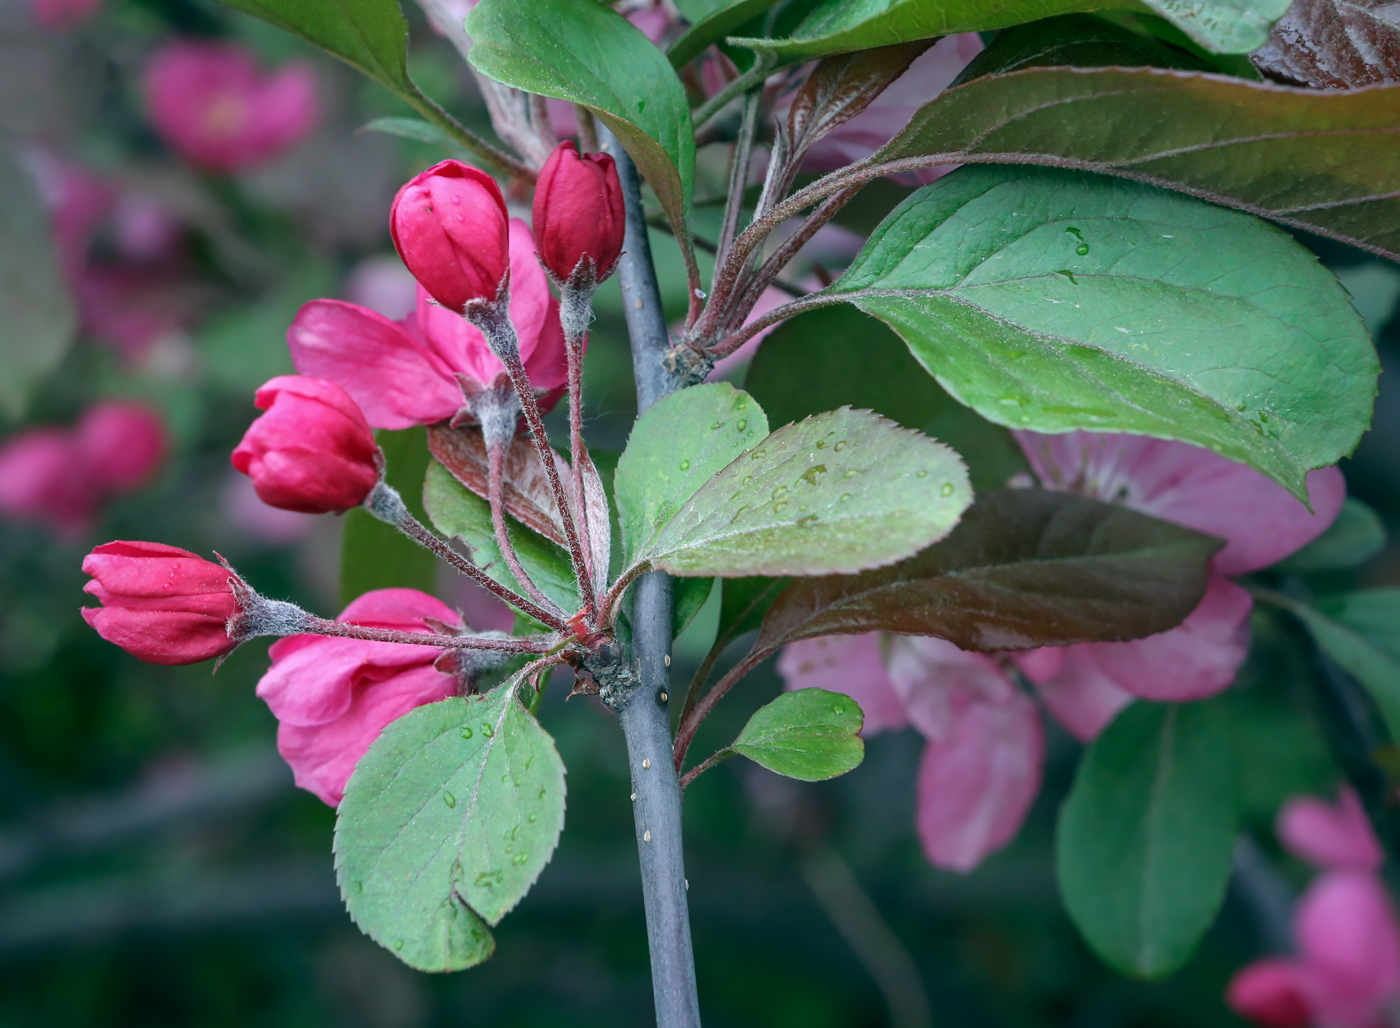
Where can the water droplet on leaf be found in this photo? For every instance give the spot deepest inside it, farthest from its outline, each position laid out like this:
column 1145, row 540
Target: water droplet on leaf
column 449, row 799
column 948, row 489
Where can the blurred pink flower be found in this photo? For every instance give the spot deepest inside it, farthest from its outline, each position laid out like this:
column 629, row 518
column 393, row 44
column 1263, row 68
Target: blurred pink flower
column 981, row 768
column 332, row 697
column 63, row 14
column 1259, row 520
column 384, row 285
column 1330, row 837
column 212, row 105
column 431, row 364
column 244, row 511
column 1347, row 970
column 61, row 477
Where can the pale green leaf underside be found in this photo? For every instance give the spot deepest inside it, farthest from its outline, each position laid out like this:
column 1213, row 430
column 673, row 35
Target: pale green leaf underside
column 835, row 493
column 839, row 26
column 675, row 447
column 1055, row 300
column 457, row 511
column 445, row 825
column 591, row 55
column 810, row 735
column 1147, row 834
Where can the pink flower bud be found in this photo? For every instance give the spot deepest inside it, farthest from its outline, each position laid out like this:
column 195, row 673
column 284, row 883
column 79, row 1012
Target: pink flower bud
column 579, row 214
column 43, row 478
column 1270, row 993
column 312, row 451
column 212, row 105
column 122, row 444
column 449, row 225
column 161, row 604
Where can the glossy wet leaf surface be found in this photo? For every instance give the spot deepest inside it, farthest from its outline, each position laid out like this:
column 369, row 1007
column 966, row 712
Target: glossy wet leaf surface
column 837, row 492
column 810, row 735
column 675, row 447
column 1250, row 145
column 1051, row 300
column 446, row 824
column 1025, row 567
column 1147, row 834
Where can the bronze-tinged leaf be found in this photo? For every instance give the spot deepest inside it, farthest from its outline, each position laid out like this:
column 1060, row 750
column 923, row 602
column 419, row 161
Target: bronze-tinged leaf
column 842, row 86
column 526, row 487
column 1334, row 44
column 1024, row 568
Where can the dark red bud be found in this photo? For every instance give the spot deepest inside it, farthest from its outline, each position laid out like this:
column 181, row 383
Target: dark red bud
column 579, row 213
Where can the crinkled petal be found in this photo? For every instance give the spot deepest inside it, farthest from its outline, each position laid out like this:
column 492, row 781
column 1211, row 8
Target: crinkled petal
column 936, row 681
column 1076, row 691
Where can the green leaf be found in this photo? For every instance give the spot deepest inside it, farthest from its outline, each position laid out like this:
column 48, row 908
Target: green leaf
column 1361, row 632
column 838, row 26
column 1054, row 300
column 370, row 35
column 457, row 511
column 744, row 603
column 1025, row 567
column 1248, row 145
column 809, row 734
column 711, row 21
column 1147, row 834
column 838, row 492
column 688, row 595
column 40, row 317
column 1074, row 40
column 834, row 356
column 445, row 825
column 589, row 54
column 1355, row 535
column 374, row 555
column 420, row 131
column 675, row 447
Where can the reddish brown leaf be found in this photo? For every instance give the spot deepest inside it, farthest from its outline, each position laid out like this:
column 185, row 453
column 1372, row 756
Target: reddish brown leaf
column 1334, row 44
column 526, row 491
column 842, row 86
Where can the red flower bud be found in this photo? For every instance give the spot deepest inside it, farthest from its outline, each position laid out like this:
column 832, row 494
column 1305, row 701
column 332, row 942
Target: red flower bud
column 160, row 603
column 579, row 214
column 312, row 451
column 449, row 226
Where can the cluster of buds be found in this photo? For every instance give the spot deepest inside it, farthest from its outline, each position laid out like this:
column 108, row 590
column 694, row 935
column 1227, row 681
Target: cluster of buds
column 486, row 344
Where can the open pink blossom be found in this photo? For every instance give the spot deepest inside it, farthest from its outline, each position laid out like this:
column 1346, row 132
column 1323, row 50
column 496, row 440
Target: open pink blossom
column 332, row 697
column 981, row 767
column 212, row 105
column 430, row 365
column 1259, row 520
column 1330, row 837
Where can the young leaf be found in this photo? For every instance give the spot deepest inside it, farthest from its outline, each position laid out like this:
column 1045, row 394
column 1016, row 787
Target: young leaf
column 456, row 511
column 675, row 447
column 40, row 317
column 374, row 555
column 526, row 491
column 1025, row 567
column 446, row 824
column 1146, row 836
column 1359, row 631
column 838, row 26
column 836, row 493
column 1334, row 44
column 810, row 735
column 1242, row 144
column 711, row 21
column 419, row 130
column 590, row 54
column 1053, row 300
column 1355, row 535
column 834, row 356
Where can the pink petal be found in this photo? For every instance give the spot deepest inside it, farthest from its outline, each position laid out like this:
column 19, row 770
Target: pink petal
column 1350, row 946
column 323, row 757
column 396, row 382
column 1196, row 659
column 1077, row 692
column 1260, row 522
column 1270, row 993
column 407, row 609
column 851, row 664
column 1330, row 837
column 937, row 681
column 975, row 786
column 314, row 683
column 285, row 108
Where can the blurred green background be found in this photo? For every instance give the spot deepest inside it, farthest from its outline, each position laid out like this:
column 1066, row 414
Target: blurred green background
column 157, row 867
